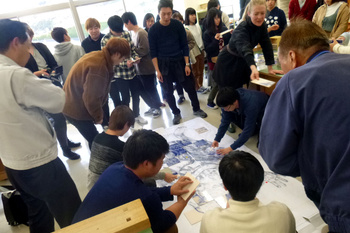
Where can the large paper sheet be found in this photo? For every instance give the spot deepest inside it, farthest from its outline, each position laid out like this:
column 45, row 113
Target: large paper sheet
column 190, row 151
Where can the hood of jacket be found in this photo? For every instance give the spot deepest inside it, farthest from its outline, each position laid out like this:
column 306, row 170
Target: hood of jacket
column 63, row 48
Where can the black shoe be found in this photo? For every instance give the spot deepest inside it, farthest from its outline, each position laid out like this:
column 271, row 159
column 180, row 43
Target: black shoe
column 71, row 155
column 73, row 144
column 181, row 100
column 200, row 113
column 177, row 119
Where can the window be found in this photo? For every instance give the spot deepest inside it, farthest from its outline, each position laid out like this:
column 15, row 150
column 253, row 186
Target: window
column 42, row 25
column 101, row 12
column 141, row 9
column 20, row 5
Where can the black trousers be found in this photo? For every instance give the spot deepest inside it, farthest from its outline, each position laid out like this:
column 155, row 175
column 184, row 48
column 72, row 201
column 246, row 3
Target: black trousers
column 120, row 93
column 49, row 192
column 60, row 127
column 173, row 70
column 85, row 128
column 148, row 90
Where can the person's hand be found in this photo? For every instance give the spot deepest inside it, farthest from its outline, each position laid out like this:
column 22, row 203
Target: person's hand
column 159, row 76
column 274, row 27
column 272, row 71
column 183, row 201
column 177, row 188
column 170, row 177
column 217, row 36
column 276, row 72
column 224, row 151
column 187, row 70
column 331, row 45
column 41, row 72
column 129, row 63
column 231, row 31
column 137, row 60
column 255, row 73
column 215, row 144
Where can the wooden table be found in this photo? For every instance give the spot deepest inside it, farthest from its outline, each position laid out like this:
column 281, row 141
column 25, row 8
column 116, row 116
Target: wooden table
column 3, row 175
column 128, row 218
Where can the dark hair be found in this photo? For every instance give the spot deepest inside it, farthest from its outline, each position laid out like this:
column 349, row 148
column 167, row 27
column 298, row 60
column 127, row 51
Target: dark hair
column 58, row 34
column 129, row 16
column 226, row 96
column 242, row 175
column 301, row 35
column 10, row 30
column 189, row 11
column 177, row 15
column 115, row 23
column 118, row 45
column 147, row 17
column 144, row 145
column 212, row 13
column 165, row 3
column 29, row 31
column 212, row 3
column 120, row 116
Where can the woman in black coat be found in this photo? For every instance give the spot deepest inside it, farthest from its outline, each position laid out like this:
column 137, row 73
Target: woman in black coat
column 235, row 64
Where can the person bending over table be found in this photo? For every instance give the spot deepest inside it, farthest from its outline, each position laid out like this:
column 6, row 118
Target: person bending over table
column 243, row 107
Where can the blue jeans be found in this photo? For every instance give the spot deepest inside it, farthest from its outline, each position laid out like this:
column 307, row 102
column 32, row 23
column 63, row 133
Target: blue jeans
column 49, row 192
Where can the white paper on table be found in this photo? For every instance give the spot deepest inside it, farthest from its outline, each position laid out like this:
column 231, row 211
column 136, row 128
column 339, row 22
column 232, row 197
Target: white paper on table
column 263, row 82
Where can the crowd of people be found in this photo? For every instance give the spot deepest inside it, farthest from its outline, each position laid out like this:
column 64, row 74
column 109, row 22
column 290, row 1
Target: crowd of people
column 302, row 126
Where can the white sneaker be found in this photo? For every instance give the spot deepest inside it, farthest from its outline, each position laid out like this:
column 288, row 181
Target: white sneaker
column 156, row 113
column 149, row 112
column 140, row 120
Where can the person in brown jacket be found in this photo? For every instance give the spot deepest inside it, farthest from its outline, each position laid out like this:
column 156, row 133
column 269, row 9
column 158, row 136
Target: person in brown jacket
column 332, row 17
column 88, row 84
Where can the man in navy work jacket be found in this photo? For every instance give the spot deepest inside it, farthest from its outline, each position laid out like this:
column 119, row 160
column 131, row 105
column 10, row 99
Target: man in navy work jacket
column 243, row 107
column 305, row 129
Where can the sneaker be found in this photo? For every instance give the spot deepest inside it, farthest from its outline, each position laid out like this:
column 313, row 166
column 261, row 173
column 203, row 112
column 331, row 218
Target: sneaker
column 157, row 113
column 181, row 100
column 200, row 113
column 140, row 120
column 177, row 119
column 70, row 154
column 206, row 90
column 212, row 106
column 149, row 112
column 73, row 144
column 232, row 128
column 200, row 90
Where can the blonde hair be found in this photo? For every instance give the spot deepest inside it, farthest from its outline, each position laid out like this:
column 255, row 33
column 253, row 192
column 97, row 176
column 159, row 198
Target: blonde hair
column 92, row 22
column 250, row 6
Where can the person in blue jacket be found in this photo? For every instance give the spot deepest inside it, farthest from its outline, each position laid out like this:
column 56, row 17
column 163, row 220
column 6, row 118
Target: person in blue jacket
column 245, row 108
column 120, row 183
column 305, row 129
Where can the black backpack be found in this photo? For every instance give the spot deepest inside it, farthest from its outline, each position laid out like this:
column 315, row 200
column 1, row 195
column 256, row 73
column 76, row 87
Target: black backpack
column 16, row 211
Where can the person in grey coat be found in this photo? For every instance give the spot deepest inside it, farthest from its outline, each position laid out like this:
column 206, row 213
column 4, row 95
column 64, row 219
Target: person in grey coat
column 66, row 53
